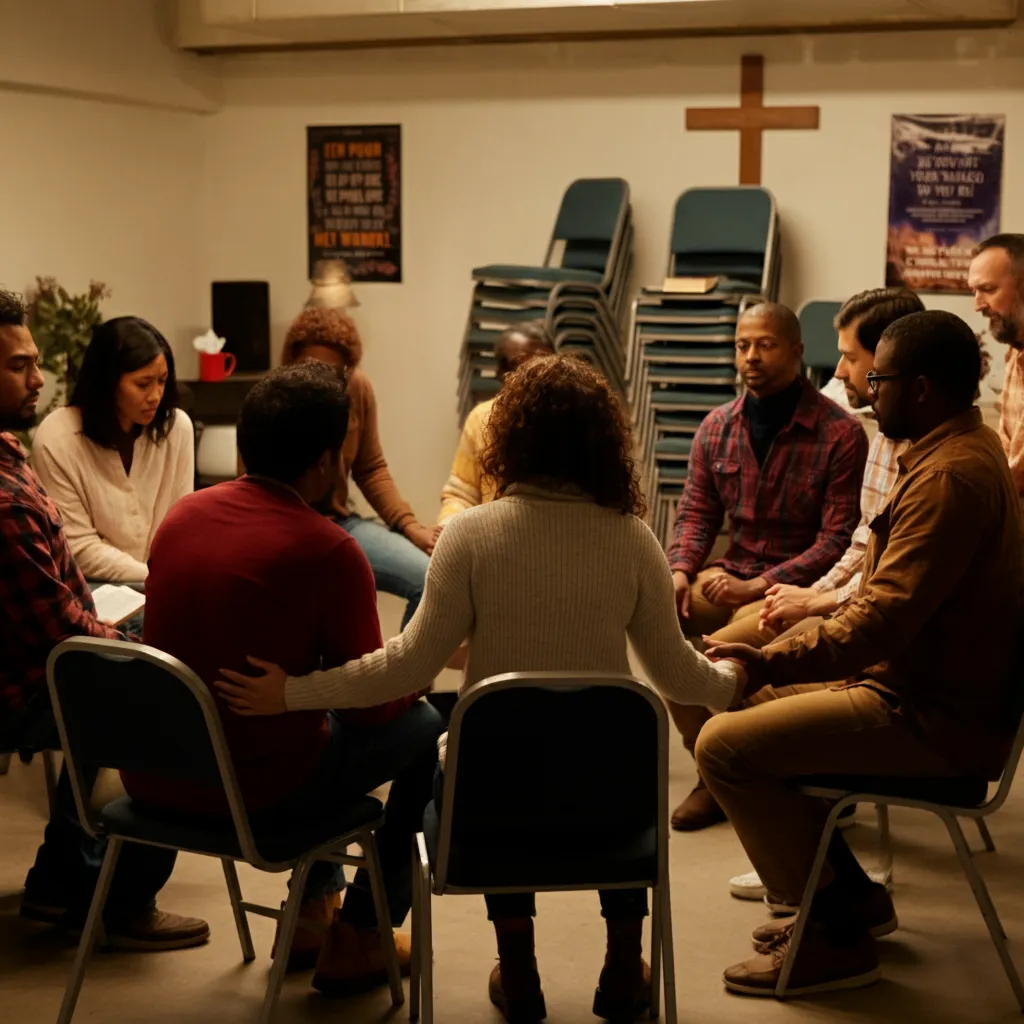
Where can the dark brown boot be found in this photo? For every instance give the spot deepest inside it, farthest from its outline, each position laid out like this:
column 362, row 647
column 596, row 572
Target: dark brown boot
column 514, row 985
column 699, row 810
column 624, row 990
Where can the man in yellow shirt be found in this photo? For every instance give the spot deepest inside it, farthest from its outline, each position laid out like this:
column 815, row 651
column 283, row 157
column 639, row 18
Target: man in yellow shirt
column 466, row 484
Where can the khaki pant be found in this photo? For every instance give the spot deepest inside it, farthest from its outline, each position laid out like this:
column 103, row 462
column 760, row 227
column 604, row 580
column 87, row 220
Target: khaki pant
column 747, row 759
column 730, row 625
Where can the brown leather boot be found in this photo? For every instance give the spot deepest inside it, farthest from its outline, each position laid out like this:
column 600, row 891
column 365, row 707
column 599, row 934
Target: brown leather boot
column 699, row 810
column 315, row 917
column 514, row 985
column 352, row 959
column 624, row 989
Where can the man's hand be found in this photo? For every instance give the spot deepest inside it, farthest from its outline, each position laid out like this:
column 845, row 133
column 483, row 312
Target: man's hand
column 786, row 605
column 424, row 537
column 681, row 583
column 749, row 661
column 727, row 591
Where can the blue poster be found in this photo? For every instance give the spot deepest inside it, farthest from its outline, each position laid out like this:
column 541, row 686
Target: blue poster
column 945, row 182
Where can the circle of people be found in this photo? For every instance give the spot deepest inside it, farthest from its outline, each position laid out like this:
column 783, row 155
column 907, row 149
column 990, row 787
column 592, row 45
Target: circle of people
column 837, row 626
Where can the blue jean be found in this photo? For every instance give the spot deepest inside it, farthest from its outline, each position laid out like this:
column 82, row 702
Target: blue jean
column 68, row 863
column 399, row 567
column 356, row 761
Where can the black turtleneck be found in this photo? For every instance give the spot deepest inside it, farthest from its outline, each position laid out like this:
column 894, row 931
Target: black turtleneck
column 768, row 415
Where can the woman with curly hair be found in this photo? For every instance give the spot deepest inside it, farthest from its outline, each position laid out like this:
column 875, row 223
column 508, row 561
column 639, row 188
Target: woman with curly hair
column 398, row 551
column 554, row 575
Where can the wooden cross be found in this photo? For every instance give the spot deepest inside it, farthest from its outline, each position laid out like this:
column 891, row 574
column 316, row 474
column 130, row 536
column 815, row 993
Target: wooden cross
column 750, row 118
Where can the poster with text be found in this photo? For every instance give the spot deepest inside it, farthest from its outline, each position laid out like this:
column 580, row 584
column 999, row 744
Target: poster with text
column 355, row 199
column 945, row 180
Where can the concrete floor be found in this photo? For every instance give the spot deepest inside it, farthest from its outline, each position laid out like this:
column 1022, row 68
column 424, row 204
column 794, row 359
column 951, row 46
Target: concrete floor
column 939, row 967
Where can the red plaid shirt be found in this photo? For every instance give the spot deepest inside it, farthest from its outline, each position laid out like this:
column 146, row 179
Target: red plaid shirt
column 793, row 517
column 43, row 596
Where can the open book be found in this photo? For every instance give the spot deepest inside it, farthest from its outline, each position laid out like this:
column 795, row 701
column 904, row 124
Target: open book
column 115, row 604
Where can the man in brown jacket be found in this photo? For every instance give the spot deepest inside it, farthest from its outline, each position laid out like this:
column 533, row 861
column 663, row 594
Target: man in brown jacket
column 921, row 696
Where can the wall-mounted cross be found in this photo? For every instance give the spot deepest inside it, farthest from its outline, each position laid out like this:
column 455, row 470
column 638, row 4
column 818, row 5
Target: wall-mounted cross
column 750, row 118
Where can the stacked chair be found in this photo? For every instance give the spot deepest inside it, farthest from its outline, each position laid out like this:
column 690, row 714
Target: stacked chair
column 579, row 292
column 819, row 336
column 680, row 351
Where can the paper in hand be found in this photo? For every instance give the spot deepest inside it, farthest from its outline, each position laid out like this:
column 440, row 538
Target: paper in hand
column 115, row 604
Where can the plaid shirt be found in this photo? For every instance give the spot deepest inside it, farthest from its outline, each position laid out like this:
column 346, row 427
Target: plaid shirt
column 43, row 595
column 792, row 517
column 879, row 476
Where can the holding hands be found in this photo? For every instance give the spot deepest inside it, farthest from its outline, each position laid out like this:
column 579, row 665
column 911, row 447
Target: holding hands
column 424, row 537
column 786, row 605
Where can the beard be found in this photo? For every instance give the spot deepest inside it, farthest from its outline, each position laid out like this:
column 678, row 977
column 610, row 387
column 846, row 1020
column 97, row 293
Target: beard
column 855, row 398
column 1005, row 329
column 18, row 421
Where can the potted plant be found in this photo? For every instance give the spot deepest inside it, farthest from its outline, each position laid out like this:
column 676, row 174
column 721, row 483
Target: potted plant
column 61, row 325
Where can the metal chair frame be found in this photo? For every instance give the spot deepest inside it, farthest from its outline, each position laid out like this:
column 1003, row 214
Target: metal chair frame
column 427, row 883
column 333, row 850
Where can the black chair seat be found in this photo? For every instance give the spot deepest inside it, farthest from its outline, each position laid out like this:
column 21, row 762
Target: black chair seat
column 551, row 860
column 952, row 792
column 285, row 842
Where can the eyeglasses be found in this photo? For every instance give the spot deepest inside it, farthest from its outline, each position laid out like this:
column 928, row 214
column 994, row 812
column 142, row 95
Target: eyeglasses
column 873, row 379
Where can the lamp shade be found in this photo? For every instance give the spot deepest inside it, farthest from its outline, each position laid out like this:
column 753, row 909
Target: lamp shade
column 332, row 286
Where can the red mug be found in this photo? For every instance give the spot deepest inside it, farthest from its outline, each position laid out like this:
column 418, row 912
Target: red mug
column 214, row 366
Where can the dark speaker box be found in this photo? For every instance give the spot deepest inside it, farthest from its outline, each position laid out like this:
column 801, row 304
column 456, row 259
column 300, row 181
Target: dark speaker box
column 241, row 315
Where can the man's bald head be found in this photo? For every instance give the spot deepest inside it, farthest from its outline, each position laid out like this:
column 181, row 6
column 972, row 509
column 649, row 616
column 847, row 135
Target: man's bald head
column 769, row 351
column 518, row 344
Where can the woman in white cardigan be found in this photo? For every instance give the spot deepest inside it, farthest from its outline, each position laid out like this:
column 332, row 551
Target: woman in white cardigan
column 554, row 575
column 120, row 454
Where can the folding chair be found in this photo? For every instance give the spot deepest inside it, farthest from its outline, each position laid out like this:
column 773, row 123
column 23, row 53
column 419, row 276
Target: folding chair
column 819, row 337
column 533, row 802
column 124, row 706
column 948, row 799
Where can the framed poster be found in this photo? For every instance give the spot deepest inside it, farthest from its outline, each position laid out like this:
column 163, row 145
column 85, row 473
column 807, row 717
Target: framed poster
column 355, row 198
column 945, row 181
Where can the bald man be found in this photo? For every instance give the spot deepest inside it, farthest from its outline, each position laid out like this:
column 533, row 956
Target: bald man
column 785, row 464
column 466, row 486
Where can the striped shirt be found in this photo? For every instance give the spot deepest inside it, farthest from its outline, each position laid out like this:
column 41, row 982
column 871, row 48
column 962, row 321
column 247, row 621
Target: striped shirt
column 879, row 476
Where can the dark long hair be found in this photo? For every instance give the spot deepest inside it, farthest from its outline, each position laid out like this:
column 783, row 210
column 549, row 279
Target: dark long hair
column 557, row 422
column 119, row 346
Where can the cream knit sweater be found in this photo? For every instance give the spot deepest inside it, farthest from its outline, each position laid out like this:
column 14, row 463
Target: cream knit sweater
column 539, row 581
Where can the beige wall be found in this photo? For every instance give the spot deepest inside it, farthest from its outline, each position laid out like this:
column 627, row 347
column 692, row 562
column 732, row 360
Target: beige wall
column 103, row 158
column 492, row 135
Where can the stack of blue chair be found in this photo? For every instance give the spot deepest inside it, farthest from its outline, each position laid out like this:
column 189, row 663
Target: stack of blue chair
column 680, row 351
column 579, row 291
column 821, row 354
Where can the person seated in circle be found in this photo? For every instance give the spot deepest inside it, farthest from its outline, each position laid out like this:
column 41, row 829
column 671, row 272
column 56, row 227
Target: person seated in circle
column 399, row 550
column 120, row 454
column 555, row 574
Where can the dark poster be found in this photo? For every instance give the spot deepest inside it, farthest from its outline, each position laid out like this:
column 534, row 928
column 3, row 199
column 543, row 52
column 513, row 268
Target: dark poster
column 945, row 181
column 355, row 199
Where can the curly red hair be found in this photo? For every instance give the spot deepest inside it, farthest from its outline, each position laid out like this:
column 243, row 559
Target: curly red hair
column 330, row 328
column 556, row 422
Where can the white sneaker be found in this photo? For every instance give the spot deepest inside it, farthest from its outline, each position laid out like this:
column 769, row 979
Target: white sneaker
column 750, row 887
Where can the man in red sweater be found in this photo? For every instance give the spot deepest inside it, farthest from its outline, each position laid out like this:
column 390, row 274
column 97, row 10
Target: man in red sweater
column 249, row 564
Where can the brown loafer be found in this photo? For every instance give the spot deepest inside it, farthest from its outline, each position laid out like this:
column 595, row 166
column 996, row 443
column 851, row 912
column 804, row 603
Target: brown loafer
column 623, row 1000
column 521, row 1007
column 875, row 909
column 352, row 960
column 822, row 965
column 698, row 811
column 315, row 917
column 156, row 930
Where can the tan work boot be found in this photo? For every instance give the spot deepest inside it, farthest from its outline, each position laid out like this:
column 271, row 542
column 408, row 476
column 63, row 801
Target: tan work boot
column 155, row 930
column 875, row 910
column 352, row 959
column 514, row 984
column 699, row 810
column 823, row 964
column 624, row 989
column 315, row 917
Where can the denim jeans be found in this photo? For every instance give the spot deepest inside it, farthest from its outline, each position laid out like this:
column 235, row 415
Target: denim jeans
column 356, row 761
column 615, row 903
column 399, row 567
column 68, row 863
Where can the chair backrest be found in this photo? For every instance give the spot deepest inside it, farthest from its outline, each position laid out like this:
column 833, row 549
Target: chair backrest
column 133, row 708
column 725, row 231
column 998, row 798
column 534, row 760
column 589, row 224
column 819, row 336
